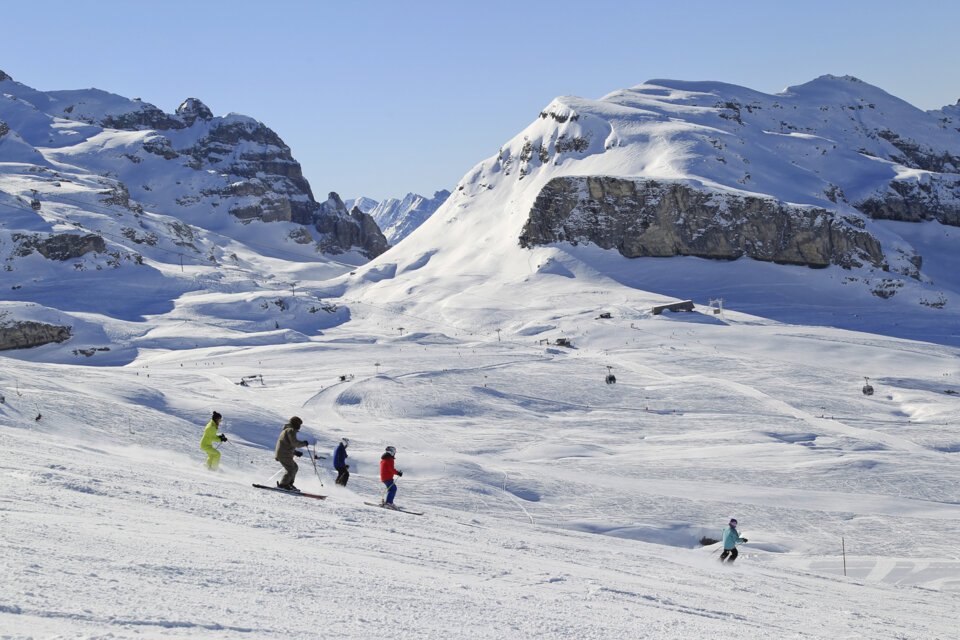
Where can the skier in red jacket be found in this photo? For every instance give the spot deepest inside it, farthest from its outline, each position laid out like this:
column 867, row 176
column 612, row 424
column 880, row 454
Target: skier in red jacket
column 387, row 473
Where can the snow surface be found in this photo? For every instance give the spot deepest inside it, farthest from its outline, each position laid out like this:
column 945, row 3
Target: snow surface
column 556, row 505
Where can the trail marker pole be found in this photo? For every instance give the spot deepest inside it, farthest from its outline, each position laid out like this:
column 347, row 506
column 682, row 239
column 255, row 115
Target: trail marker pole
column 843, row 548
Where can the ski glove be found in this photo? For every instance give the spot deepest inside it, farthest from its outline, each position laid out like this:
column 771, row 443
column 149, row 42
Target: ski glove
column 743, row 539
column 298, row 453
column 222, row 437
column 399, row 473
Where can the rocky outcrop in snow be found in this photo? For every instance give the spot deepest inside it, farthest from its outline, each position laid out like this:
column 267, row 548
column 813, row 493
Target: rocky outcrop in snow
column 930, row 197
column 191, row 109
column 25, row 334
column 60, row 246
column 649, row 218
column 360, row 231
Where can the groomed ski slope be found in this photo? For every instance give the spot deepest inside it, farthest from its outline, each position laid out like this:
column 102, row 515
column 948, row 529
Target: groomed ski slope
column 556, row 506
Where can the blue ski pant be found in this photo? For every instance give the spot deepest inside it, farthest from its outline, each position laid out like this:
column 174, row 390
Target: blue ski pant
column 391, row 490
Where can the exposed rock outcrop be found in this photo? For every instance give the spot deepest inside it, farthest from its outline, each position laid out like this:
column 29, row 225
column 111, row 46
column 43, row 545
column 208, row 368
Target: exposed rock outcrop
column 916, row 156
column 147, row 117
column 25, row 334
column 60, row 247
column 192, row 109
column 932, row 198
column 251, row 150
column 356, row 229
column 659, row 219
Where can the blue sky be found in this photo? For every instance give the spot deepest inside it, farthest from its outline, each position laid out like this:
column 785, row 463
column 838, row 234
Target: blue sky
column 381, row 98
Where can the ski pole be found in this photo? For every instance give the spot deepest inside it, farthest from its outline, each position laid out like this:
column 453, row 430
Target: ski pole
column 236, row 448
column 313, row 459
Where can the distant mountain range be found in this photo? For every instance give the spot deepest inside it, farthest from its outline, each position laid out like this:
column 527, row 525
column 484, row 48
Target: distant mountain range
column 399, row 218
column 832, row 202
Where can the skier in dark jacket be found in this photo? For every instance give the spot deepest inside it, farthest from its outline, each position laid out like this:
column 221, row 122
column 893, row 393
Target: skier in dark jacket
column 387, row 472
column 340, row 462
column 287, row 445
column 731, row 538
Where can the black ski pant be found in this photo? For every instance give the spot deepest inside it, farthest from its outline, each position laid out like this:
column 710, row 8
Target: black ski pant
column 729, row 552
column 343, row 474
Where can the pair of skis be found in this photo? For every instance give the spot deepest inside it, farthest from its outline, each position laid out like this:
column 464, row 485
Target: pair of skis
column 313, row 459
column 394, row 508
column 317, row 496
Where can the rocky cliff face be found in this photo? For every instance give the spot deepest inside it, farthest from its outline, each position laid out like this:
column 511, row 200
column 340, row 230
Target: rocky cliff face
column 650, row 218
column 931, row 197
column 357, row 229
column 26, row 334
column 59, row 246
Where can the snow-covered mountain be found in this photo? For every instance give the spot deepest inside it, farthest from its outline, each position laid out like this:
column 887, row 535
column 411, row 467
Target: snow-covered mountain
column 111, row 206
column 834, row 174
column 399, row 218
column 364, row 204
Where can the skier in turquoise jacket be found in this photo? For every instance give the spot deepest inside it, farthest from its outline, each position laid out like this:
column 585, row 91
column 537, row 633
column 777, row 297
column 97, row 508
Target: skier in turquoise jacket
column 731, row 538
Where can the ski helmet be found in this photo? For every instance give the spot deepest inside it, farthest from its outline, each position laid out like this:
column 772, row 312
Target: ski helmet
column 733, row 522
column 392, row 451
column 345, row 442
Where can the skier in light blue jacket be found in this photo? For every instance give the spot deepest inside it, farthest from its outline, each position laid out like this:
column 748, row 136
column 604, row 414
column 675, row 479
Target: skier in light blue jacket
column 731, row 538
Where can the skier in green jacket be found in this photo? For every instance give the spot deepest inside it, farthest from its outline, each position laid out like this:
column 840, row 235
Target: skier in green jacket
column 206, row 442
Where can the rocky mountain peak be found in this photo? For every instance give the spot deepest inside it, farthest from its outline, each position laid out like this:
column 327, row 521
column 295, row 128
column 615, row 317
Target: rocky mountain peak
column 335, row 202
column 4, row 76
column 191, row 109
